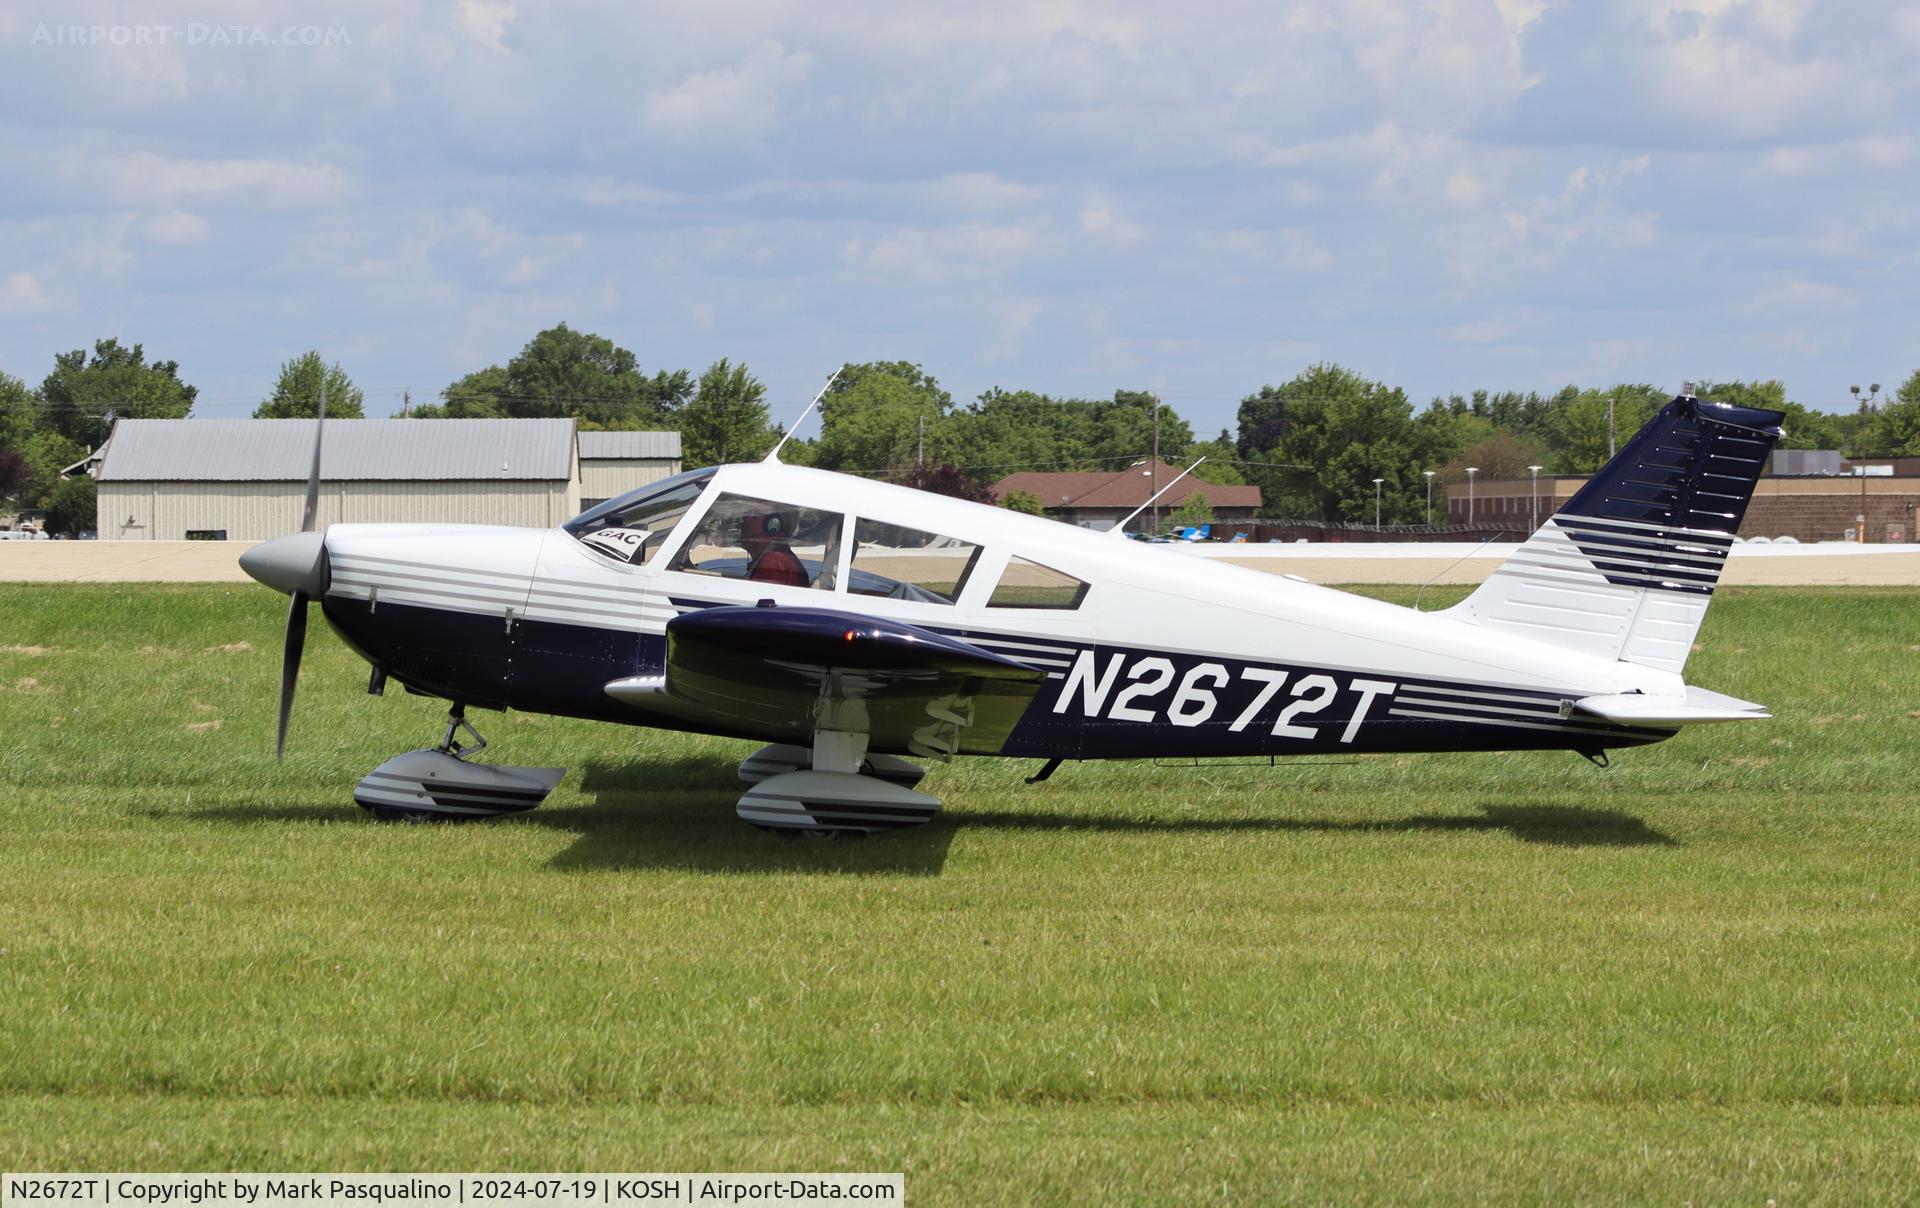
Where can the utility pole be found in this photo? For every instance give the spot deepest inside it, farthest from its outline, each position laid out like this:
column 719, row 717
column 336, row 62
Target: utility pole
column 1610, row 448
column 406, row 403
column 920, row 448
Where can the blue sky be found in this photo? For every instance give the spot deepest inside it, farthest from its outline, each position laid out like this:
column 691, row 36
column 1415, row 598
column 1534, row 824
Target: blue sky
column 1064, row 197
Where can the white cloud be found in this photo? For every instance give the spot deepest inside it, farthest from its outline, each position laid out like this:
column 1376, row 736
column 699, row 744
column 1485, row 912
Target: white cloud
column 1464, row 189
column 606, row 191
column 940, row 255
column 1100, row 219
column 21, row 296
column 1301, row 252
column 1012, row 318
column 966, row 186
column 1886, row 150
column 486, row 21
column 1797, row 298
column 729, row 104
column 175, row 228
column 984, row 192
column 145, row 178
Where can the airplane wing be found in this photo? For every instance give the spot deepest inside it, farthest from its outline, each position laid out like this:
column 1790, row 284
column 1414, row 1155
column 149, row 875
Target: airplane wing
column 782, row 673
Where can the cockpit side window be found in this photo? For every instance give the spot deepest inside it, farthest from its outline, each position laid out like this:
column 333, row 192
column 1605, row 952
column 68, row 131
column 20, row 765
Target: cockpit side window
column 909, row 564
column 635, row 526
column 765, row 541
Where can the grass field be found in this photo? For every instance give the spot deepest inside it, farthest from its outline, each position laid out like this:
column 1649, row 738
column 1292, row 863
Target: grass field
column 1693, row 977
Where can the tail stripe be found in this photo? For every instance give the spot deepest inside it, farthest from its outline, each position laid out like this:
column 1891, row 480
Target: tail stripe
column 1625, row 569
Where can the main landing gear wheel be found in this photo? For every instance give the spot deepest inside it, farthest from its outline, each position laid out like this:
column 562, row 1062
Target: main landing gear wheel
column 841, row 803
column 834, row 790
column 438, row 784
column 782, row 757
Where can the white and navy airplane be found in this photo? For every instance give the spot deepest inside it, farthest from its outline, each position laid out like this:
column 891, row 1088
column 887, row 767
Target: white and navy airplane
column 857, row 626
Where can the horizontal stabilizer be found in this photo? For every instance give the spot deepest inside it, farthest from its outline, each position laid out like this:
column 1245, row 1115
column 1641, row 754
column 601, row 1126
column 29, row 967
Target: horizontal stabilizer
column 1697, row 707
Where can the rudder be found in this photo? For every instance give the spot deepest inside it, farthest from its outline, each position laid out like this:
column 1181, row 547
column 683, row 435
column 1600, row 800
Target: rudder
column 1627, row 568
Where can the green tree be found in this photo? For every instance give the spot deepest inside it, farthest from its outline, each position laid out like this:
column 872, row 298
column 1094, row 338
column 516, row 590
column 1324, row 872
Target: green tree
column 1124, row 427
column 16, row 477
column 19, row 412
column 727, row 420
column 1220, row 454
column 1896, row 429
column 1501, row 455
column 72, row 506
column 882, row 416
column 476, row 396
column 567, row 372
column 1800, row 427
column 47, row 453
column 297, row 394
column 562, row 372
column 1576, row 431
column 1005, row 430
column 1023, row 501
column 1507, row 410
column 1193, row 511
column 84, row 395
column 1333, row 432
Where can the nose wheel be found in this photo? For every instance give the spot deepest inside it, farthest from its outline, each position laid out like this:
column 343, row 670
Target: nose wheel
column 439, row 784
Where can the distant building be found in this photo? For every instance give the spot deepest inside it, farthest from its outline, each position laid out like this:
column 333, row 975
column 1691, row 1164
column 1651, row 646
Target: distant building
column 1100, row 499
column 1823, row 502
column 613, row 463
column 245, row 479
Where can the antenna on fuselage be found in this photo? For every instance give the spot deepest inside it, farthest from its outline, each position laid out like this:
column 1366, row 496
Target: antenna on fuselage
column 1120, row 529
column 773, row 456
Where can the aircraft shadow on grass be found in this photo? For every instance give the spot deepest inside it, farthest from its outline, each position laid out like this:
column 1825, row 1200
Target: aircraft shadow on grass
column 679, row 814
column 1558, row 825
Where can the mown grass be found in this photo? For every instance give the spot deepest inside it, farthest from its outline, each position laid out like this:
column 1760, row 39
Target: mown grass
column 1695, row 976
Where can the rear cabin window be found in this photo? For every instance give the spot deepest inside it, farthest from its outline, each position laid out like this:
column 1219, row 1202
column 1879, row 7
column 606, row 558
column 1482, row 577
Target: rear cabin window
column 903, row 563
column 1027, row 584
column 764, row 541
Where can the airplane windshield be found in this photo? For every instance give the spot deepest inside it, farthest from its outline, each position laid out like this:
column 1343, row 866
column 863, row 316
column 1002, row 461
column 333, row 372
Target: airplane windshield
column 633, row 527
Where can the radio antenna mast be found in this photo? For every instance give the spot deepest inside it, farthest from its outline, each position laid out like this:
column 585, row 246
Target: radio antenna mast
column 1120, row 529
column 773, row 456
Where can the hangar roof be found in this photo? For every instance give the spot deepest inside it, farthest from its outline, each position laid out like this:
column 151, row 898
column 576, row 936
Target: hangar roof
column 623, row 446
column 281, row 450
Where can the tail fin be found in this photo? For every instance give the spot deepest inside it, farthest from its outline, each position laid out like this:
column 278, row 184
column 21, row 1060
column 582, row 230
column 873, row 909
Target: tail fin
column 1627, row 568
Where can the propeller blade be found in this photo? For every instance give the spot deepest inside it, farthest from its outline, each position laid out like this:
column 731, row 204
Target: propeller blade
column 296, row 643
column 313, row 475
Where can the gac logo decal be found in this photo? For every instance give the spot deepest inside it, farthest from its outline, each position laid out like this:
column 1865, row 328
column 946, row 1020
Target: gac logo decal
column 1199, row 694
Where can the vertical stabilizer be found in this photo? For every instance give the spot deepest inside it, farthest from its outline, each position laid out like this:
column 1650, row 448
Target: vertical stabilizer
column 1627, row 568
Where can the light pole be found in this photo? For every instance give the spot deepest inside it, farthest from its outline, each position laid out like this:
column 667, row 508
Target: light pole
column 1471, row 471
column 1533, row 501
column 1429, row 474
column 1866, row 417
column 1376, row 501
